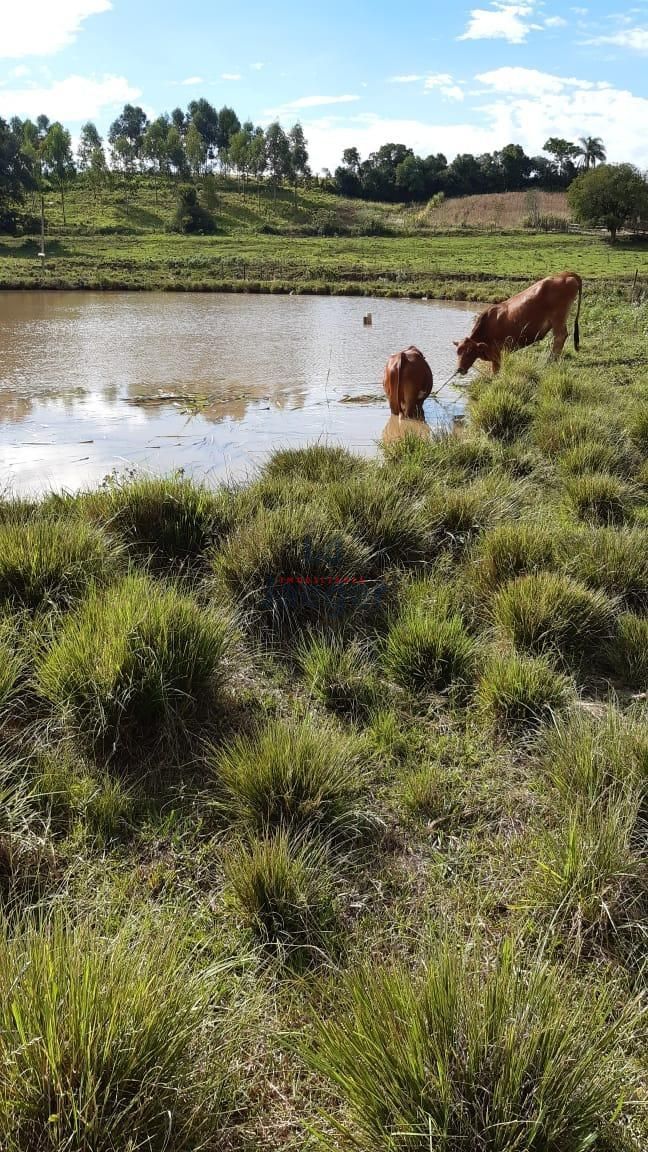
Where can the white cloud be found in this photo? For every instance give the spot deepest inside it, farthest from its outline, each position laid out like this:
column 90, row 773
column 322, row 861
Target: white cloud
column 444, row 82
column 43, row 27
column 636, row 39
column 309, row 102
column 503, row 21
column 531, row 82
column 75, row 99
column 411, row 78
column 555, row 22
column 230, row 76
column 257, row 67
column 193, row 80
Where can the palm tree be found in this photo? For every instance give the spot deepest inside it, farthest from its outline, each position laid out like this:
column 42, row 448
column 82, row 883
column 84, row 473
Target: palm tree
column 591, row 149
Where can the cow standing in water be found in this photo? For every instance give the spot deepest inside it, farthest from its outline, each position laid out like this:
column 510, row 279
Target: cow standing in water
column 407, row 382
column 523, row 320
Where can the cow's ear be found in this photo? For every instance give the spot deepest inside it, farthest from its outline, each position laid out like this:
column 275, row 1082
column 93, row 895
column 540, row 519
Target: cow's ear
column 456, row 343
column 482, row 351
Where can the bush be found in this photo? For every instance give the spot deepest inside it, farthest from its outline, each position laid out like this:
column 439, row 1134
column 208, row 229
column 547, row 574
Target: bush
column 50, row 564
column 298, row 776
column 630, row 650
column 429, row 652
column 109, row 1044
column 517, row 693
column 549, row 613
column 291, row 568
column 600, row 498
column 514, row 549
column 340, row 677
column 464, row 1058
column 501, row 413
column 284, row 895
column 134, row 666
column 614, row 560
column 169, row 519
column 190, row 216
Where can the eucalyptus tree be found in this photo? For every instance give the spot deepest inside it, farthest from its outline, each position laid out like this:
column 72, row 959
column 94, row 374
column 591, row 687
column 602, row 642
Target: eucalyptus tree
column 58, row 160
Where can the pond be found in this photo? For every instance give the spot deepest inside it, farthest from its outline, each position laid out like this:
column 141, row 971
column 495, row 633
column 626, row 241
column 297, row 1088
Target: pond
column 92, row 383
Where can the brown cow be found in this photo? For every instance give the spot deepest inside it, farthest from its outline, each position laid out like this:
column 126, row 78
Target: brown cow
column 522, row 320
column 407, row 382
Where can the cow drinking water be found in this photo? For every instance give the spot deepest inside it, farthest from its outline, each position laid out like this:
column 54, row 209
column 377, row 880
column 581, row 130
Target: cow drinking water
column 407, row 382
column 523, row 320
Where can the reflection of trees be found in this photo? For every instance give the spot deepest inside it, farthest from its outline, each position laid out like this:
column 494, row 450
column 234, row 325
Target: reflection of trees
column 14, row 407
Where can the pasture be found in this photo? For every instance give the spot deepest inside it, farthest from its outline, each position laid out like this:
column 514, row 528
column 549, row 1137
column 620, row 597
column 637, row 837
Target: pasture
column 324, row 788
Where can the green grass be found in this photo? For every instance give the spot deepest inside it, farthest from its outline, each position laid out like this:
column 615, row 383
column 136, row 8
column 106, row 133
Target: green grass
column 589, row 757
column 135, row 666
column 48, row 564
column 599, row 498
column 500, row 412
column 430, row 652
column 630, row 650
column 340, row 676
column 613, row 560
column 514, row 549
column 517, row 693
column 460, row 1057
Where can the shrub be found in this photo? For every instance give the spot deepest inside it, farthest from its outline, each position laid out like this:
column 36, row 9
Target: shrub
column 339, row 676
column 465, row 1058
column 49, row 563
column 501, row 413
column 545, row 612
column 284, row 895
column 291, row 568
column 630, row 650
column 301, row 776
column 614, row 560
column 429, row 652
column 169, row 519
column 518, row 692
column 587, row 757
column 134, row 666
column 316, row 464
column 514, row 549
column 600, row 498
column 383, row 518
column 109, row 1044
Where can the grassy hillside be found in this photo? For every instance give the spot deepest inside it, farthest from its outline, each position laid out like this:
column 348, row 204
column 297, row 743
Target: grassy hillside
column 324, row 798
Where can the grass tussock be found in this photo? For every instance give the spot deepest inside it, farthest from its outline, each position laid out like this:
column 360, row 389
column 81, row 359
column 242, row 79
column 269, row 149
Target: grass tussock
column 382, row 517
column 134, row 666
column 599, row 498
column 316, row 464
column 26, row 854
column 500, row 412
column 461, row 1057
column 49, row 564
column 548, row 613
column 514, row 549
column 12, row 663
column 283, row 894
column 430, row 652
column 302, row 776
column 614, row 560
column 589, row 757
column 630, row 650
column 340, row 676
column 517, row 693
column 111, row 1043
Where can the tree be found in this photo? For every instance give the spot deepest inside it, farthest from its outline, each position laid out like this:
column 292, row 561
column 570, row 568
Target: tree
column 612, row 195
column 564, row 153
column 258, row 158
column 196, row 148
column 97, row 172
column 89, row 140
column 130, row 124
column 204, row 117
column 125, row 159
column 228, row 125
column 277, row 154
column 351, row 159
column 592, row 150
column 176, row 150
column 239, row 152
column 15, row 175
column 298, row 150
column 179, row 121
column 411, row 178
column 154, row 146
column 514, row 165
column 57, row 159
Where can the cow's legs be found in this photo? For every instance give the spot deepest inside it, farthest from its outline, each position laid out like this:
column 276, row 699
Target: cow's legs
column 559, row 337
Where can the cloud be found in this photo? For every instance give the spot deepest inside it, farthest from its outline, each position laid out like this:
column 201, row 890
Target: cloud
column 230, row 76
column 410, row 79
column 531, row 82
column 44, row 27
column 635, row 39
column 444, row 82
column 309, row 102
column 192, row 80
column 503, row 21
column 555, row 22
column 73, row 100
column 258, row 66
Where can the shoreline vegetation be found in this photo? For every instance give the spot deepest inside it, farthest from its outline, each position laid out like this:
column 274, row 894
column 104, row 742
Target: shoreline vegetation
column 324, row 797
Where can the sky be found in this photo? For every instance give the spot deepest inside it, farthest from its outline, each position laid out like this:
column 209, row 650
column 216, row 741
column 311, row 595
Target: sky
column 445, row 77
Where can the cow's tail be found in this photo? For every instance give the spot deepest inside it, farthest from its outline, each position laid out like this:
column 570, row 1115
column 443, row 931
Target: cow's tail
column 399, row 365
column 576, row 329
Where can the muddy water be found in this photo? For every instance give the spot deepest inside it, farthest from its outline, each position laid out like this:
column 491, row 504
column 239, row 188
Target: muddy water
column 96, row 382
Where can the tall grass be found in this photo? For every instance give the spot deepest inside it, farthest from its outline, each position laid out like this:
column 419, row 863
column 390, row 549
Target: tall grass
column 630, row 650
column 589, row 757
column 500, row 412
column 599, row 498
column 111, row 1043
column 517, row 693
column 134, row 666
column 430, row 652
column 466, row 1057
column 384, row 518
column 612, row 559
column 11, row 666
column 340, row 676
column 317, row 464
column 514, row 549
column 26, row 854
column 49, row 564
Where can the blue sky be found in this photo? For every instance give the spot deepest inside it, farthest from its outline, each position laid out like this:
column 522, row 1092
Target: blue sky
column 439, row 77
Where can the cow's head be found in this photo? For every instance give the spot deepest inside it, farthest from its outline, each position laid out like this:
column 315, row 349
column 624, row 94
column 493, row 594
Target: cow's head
column 468, row 351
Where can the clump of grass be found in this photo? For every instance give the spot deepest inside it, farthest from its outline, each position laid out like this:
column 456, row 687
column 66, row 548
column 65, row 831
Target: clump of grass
column 514, row 549
column 25, row 853
column 316, row 464
column 546, row 613
column 463, row 1057
column 72, row 793
column 340, row 676
column 283, row 893
column 302, row 776
column 110, row 1044
column 166, row 519
column 587, row 757
column 517, row 693
column 12, row 664
column 630, row 650
column 434, row 792
column 430, row 652
column 613, row 559
column 561, row 427
column 384, row 518
column 590, row 880
column 291, row 568
column 593, row 456
column 134, row 666
column 501, row 413
column 599, row 498
column 456, row 515
column 639, row 428
column 50, row 564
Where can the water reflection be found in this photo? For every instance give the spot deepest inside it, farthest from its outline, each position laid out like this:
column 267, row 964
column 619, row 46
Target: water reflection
column 208, row 383
column 398, row 427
